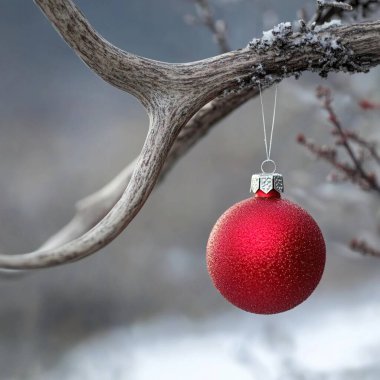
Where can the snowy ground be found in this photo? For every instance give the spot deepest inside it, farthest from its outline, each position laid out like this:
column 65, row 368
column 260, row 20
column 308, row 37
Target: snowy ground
column 336, row 342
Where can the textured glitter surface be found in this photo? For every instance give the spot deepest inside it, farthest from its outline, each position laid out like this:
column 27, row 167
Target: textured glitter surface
column 266, row 255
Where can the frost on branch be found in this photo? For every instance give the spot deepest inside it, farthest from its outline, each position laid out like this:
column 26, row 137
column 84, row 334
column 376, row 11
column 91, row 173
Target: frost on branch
column 275, row 37
column 327, row 25
column 349, row 10
column 290, row 46
column 335, row 4
column 284, row 41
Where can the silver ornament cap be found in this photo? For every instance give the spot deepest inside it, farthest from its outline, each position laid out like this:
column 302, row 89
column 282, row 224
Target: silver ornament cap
column 267, row 182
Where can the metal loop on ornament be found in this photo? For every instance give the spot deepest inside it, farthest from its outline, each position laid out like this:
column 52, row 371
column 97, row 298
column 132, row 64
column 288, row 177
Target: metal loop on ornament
column 274, row 167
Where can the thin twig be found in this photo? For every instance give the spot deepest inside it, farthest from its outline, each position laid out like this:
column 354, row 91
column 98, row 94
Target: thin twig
column 353, row 172
column 324, row 93
column 371, row 147
column 329, row 155
column 217, row 27
column 364, row 248
column 366, row 105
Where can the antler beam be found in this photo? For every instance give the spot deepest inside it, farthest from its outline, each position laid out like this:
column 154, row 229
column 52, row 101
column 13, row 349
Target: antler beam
column 173, row 93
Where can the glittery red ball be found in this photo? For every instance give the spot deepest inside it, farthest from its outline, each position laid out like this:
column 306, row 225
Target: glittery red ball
column 266, row 255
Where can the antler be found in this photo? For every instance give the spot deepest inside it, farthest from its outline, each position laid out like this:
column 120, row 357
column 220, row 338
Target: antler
column 173, row 93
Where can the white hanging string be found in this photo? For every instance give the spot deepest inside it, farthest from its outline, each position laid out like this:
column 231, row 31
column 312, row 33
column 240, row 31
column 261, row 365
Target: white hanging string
column 268, row 149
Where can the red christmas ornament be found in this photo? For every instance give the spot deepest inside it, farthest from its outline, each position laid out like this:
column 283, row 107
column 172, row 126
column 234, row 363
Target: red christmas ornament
column 266, row 254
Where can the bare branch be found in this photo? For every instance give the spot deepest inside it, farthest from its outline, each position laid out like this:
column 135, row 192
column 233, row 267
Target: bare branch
column 364, row 248
column 173, row 93
column 218, row 28
column 354, row 170
column 369, row 146
column 329, row 154
column 366, row 104
column 324, row 93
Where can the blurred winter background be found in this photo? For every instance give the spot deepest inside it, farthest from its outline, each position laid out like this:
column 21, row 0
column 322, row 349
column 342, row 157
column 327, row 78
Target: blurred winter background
column 144, row 308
